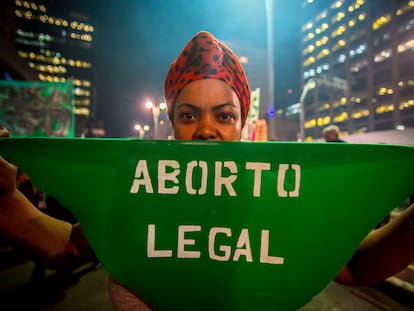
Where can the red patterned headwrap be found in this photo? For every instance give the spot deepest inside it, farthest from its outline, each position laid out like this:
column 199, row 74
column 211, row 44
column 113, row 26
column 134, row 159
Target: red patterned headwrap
column 204, row 57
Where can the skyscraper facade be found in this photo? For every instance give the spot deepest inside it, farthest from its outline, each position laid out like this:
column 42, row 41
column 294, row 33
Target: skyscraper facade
column 357, row 66
column 56, row 41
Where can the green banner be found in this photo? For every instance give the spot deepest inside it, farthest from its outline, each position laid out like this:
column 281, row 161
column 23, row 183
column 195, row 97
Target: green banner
column 220, row 225
column 37, row 109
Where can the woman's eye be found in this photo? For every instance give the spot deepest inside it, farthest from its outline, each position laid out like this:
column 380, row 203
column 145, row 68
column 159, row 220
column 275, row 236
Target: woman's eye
column 226, row 116
column 187, row 116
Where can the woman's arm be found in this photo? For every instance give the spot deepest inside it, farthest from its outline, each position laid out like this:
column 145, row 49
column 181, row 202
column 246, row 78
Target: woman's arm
column 44, row 236
column 383, row 253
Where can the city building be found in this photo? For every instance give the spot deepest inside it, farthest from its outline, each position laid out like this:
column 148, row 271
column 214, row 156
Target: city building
column 55, row 40
column 11, row 65
column 357, row 67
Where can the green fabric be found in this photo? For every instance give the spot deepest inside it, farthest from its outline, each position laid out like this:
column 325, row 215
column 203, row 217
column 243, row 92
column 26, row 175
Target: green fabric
column 37, row 109
column 271, row 240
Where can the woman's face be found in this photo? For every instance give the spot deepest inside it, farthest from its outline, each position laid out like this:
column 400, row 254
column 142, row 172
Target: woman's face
column 207, row 109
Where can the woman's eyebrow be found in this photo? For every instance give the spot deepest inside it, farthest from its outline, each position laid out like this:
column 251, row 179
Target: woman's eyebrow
column 218, row 107
column 188, row 105
column 215, row 108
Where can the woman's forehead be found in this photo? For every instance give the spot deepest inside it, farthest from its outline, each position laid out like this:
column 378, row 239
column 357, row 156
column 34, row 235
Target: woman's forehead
column 208, row 91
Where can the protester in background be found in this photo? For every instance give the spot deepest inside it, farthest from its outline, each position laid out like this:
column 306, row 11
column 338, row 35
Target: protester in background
column 331, row 134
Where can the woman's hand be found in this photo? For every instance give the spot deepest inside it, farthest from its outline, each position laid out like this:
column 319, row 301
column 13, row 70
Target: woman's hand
column 4, row 132
column 8, row 173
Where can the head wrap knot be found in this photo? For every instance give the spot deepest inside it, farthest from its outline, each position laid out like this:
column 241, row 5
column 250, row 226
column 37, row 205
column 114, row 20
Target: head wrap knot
column 204, row 57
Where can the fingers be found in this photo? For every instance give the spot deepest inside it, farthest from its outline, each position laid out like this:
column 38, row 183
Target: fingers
column 4, row 132
column 8, row 173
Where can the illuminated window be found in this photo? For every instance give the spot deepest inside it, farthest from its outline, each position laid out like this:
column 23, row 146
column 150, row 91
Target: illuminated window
column 322, row 15
column 383, row 55
column 82, row 111
column 340, row 16
column 310, row 123
column 382, row 91
column 309, row 49
column 405, row 8
column 338, row 31
column 337, row 4
column 358, row 51
column 384, row 108
column 360, row 114
column 407, row 104
column 341, row 117
column 358, row 66
column 405, row 46
column 309, row 61
column 323, row 53
column 381, row 21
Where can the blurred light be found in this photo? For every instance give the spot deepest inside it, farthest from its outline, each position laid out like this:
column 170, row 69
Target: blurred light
column 312, row 84
column 271, row 112
column 243, row 60
column 400, row 127
column 149, row 104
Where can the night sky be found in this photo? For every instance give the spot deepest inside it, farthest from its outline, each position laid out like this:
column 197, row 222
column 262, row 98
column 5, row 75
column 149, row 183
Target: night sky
column 137, row 40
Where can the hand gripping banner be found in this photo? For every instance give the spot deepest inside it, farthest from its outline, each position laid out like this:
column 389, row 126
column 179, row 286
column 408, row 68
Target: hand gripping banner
column 220, row 225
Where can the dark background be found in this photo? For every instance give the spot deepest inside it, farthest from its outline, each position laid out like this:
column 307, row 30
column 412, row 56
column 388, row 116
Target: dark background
column 137, row 40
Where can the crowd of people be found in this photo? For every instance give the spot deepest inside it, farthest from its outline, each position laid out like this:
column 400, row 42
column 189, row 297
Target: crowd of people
column 208, row 98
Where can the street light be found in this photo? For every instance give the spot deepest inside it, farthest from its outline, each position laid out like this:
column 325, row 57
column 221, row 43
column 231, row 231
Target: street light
column 270, row 62
column 310, row 84
column 141, row 130
column 156, row 110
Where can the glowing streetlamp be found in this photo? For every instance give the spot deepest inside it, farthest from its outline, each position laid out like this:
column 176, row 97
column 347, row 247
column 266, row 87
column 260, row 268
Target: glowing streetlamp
column 156, row 110
column 141, row 130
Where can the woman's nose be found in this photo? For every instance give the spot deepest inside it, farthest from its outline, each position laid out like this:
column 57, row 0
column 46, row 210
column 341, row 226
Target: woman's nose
column 206, row 129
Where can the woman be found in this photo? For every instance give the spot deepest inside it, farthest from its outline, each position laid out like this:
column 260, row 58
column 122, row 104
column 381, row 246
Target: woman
column 208, row 98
